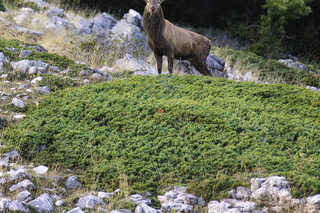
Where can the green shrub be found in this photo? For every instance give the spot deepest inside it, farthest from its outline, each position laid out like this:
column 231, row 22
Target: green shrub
column 173, row 129
column 2, row 7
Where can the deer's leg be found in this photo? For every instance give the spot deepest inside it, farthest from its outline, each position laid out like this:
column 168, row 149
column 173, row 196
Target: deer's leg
column 159, row 62
column 170, row 62
column 202, row 65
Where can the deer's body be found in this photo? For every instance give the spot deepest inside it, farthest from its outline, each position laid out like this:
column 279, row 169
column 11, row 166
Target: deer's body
column 174, row 42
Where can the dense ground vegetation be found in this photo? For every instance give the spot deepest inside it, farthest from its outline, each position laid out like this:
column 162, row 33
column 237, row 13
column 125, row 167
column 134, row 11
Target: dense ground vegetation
column 154, row 131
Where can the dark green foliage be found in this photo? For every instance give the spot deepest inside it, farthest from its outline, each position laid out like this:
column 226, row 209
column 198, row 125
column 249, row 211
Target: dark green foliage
column 173, row 129
column 2, row 7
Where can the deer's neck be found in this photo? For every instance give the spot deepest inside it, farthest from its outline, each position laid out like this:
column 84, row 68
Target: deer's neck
column 153, row 23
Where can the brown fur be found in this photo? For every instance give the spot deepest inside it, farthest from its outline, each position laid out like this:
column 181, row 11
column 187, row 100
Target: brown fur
column 174, row 42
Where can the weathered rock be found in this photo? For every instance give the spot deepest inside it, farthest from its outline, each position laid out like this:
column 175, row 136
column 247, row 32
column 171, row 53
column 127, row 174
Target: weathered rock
column 5, row 21
column 37, row 70
column 85, row 27
column 144, row 208
column 223, row 207
column 243, row 193
column 27, row 10
column 40, row 170
column 17, row 206
column 313, row 88
column 17, row 102
column 133, row 17
column 13, row 50
column 83, row 73
column 19, row 29
column 12, row 154
column 125, row 31
column 89, row 202
column 178, row 207
column 137, row 198
column 273, row 191
column 291, row 63
column 43, row 203
column 44, row 90
column 24, row 196
column 4, row 202
column 16, row 174
column 4, row 162
column 3, row 181
column 242, row 206
column 57, row 24
column 103, row 23
column 105, row 75
column 121, row 211
column 24, row 65
column 313, row 204
column 131, row 63
column 76, row 210
column 59, row 203
column 23, row 185
column 72, row 182
column 3, row 58
column 53, row 11
column 96, row 76
column 215, row 66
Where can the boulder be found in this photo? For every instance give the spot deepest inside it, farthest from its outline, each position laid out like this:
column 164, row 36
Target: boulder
column 17, row 102
column 89, row 202
column 85, row 27
column 44, row 90
column 125, row 31
column 57, row 24
column 134, row 64
column 4, row 162
column 3, row 58
column 243, row 193
column 17, row 206
column 294, row 64
column 215, row 66
column 72, row 182
column 53, row 11
column 43, row 203
column 103, row 23
column 273, row 191
column 24, row 65
column 242, row 206
column 133, row 17
column 96, row 76
column 24, row 196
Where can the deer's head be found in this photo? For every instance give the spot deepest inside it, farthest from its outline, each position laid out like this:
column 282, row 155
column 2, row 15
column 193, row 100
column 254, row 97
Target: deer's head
column 153, row 5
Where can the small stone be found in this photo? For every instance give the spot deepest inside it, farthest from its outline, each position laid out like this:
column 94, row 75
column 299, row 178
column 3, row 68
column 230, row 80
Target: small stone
column 72, row 182
column 89, row 202
column 86, row 81
column 44, row 90
column 17, row 206
column 59, row 203
column 11, row 154
column 24, row 196
column 3, row 181
column 40, row 170
column 17, row 102
column 96, row 76
column 23, row 185
column 18, row 117
column 105, row 194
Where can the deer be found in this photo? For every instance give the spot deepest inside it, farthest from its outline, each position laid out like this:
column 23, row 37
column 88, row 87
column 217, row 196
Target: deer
column 166, row 39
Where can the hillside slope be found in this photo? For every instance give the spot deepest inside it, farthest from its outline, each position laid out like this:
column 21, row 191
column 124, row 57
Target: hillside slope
column 177, row 129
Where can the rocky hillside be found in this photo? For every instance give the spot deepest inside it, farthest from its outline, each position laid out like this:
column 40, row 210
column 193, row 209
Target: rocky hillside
column 94, row 138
